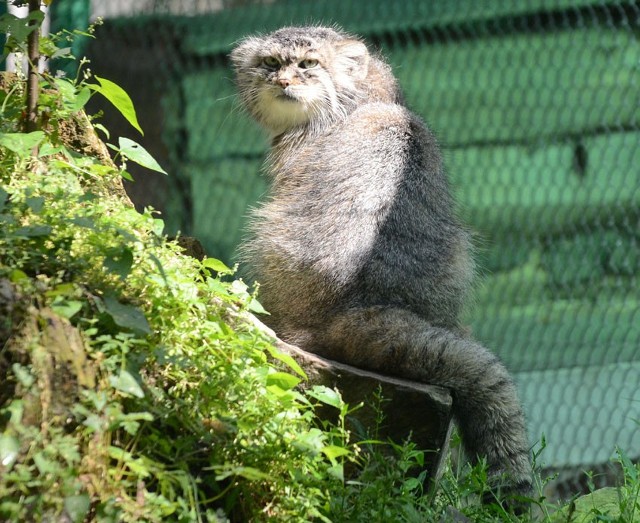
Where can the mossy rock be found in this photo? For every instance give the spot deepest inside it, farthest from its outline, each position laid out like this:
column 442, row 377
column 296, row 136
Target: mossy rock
column 608, row 502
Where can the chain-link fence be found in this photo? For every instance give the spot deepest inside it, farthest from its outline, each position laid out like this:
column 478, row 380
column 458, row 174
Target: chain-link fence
column 537, row 104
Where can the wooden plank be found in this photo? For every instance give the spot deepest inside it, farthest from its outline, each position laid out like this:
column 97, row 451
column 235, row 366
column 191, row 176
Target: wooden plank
column 531, row 329
column 215, row 34
column 216, row 125
column 521, row 88
column 222, row 194
column 538, row 192
column 585, row 413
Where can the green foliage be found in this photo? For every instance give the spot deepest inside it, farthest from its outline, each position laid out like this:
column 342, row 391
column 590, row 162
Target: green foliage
column 188, row 414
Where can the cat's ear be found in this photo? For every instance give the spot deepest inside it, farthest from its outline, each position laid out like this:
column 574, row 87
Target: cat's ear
column 353, row 58
column 244, row 51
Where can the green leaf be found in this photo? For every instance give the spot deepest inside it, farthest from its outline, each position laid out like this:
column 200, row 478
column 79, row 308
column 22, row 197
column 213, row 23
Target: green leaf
column 3, row 198
column 119, row 98
column 19, row 28
column 337, row 471
column 215, row 285
column 326, row 395
column 62, row 52
column 333, row 451
column 84, row 221
column 239, row 288
column 9, row 449
column 412, row 484
column 44, row 464
column 283, row 380
column 256, row 306
column 250, row 473
column 138, row 154
column 94, row 422
column 126, row 316
column 35, row 203
column 100, row 127
column 16, row 276
column 66, row 89
column 77, row 507
column 21, row 143
column 127, row 176
column 216, row 265
column 62, row 289
column 126, row 383
column 158, row 227
column 23, row 375
column 47, row 149
column 311, row 441
column 585, row 509
column 33, row 231
column 119, row 261
column 66, row 308
column 131, row 422
column 80, row 100
column 287, row 360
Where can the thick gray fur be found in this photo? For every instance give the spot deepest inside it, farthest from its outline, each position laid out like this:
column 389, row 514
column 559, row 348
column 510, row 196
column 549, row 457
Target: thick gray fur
column 357, row 249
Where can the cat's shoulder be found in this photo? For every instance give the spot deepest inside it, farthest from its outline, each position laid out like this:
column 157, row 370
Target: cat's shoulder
column 390, row 120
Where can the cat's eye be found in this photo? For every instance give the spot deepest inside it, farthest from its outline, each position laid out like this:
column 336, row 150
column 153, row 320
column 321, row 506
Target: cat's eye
column 271, row 61
column 309, row 63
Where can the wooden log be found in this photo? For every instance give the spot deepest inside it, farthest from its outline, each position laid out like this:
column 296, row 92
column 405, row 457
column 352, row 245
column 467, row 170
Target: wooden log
column 411, row 409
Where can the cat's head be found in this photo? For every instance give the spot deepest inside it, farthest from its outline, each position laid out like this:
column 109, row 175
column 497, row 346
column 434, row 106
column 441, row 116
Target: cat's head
column 300, row 75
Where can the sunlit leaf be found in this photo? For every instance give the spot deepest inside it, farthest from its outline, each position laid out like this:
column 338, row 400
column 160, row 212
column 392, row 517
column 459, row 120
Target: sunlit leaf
column 216, row 265
column 255, row 306
column 138, row 154
column 249, row 473
column 9, row 448
column 125, row 382
column 287, row 360
column 283, row 380
column 16, row 276
column 326, row 395
column 67, row 308
column 119, row 98
column 21, row 143
column 126, row 316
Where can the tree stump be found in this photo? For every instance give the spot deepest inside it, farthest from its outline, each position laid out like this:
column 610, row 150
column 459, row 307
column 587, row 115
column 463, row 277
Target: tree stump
column 411, row 409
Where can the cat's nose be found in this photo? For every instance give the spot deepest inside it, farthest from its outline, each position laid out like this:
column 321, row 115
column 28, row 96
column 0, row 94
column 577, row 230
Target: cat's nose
column 283, row 82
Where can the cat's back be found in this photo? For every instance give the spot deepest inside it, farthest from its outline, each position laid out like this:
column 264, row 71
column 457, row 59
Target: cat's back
column 365, row 206
column 377, row 153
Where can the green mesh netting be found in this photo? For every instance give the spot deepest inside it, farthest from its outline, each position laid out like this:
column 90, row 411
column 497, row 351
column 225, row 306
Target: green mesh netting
column 537, row 104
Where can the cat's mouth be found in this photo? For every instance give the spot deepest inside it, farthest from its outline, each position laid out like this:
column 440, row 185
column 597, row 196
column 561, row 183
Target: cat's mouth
column 286, row 96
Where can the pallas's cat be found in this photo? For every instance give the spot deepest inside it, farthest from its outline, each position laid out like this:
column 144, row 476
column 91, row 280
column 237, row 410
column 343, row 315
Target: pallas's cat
column 357, row 248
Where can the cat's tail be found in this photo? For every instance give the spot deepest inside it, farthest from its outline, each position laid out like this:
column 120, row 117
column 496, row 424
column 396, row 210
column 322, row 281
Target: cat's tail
column 485, row 402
